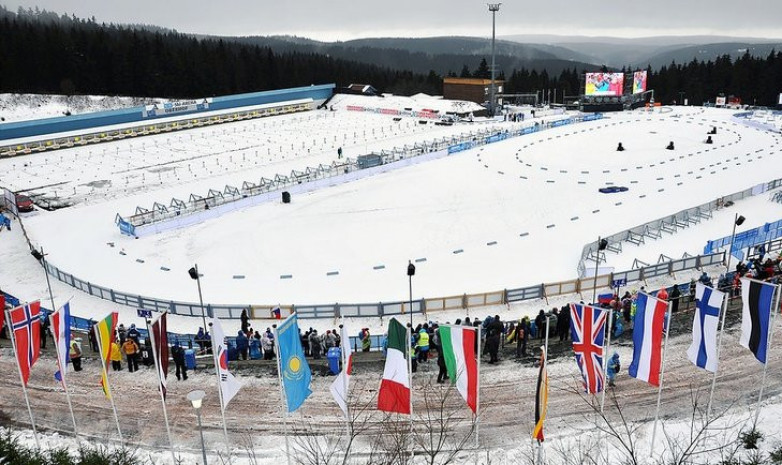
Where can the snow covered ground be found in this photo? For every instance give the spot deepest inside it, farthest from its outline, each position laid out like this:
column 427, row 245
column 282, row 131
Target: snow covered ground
column 464, row 201
column 519, row 210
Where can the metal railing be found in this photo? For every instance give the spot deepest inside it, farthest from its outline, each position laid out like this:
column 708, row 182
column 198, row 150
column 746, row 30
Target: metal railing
column 672, row 223
column 177, row 209
column 423, row 306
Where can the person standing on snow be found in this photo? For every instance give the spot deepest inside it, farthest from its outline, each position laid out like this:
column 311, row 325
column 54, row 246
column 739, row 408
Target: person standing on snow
column 493, row 334
column 178, row 354
column 613, row 368
column 242, row 344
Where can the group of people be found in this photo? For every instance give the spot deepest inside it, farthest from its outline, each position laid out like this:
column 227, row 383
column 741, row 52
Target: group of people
column 127, row 342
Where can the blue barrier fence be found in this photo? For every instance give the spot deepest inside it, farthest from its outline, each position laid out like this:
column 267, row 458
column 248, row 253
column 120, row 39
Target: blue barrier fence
column 61, row 124
column 746, row 239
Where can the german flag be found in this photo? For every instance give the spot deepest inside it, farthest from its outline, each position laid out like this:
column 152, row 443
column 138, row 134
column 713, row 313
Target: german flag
column 541, row 398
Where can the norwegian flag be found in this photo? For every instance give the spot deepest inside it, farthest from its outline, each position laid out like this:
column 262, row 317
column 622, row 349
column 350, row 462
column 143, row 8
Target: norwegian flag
column 587, row 326
column 26, row 325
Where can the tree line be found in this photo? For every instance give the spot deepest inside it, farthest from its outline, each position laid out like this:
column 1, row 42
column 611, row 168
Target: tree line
column 41, row 52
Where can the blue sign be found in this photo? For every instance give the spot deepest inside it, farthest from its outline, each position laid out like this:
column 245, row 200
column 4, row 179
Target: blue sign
column 619, row 282
column 126, row 228
column 144, row 313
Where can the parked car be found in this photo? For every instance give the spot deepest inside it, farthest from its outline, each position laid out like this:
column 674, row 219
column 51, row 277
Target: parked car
column 23, row 203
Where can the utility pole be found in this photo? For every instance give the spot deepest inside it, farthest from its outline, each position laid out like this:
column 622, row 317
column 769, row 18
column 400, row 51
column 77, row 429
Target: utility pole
column 493, row 8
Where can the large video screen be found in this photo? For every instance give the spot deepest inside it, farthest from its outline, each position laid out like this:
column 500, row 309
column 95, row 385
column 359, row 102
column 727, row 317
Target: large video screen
column 610, row 84
column 639, row 82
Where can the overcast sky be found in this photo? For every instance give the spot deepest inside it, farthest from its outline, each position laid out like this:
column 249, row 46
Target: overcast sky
column 344, row 20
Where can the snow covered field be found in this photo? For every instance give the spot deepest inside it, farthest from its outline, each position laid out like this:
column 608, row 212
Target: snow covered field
column 519, row 210
column 464, row 201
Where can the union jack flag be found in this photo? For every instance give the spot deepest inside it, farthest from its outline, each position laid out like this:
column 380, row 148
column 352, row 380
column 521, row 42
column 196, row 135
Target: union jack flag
column 26, row 325
column 587, row 326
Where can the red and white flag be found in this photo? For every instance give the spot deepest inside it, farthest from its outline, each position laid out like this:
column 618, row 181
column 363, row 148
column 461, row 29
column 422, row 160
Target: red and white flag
column 2, row 310
column 160, row 341
column 61, row 328
column 340, row 386
column 26, row 325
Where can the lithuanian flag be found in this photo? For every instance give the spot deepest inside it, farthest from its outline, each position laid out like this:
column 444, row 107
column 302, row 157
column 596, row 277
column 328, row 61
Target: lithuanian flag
column 104, row 332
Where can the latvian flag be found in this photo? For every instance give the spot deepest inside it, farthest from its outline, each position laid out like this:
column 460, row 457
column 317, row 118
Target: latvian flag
column 394, row 395
column 648, row 327
column 458, row 345
column 757, row 298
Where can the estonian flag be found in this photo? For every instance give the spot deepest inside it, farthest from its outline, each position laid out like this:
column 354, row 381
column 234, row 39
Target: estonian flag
column 758, row 298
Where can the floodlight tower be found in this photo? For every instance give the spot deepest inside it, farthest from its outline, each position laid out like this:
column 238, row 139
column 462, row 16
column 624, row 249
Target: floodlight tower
column 494, row 8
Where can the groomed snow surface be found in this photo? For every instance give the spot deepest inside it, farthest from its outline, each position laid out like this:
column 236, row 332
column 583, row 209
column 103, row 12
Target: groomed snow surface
column 520, row 211
column 492, row 194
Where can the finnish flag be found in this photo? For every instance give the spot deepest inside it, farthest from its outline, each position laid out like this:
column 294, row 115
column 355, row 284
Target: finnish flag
column 703, row 350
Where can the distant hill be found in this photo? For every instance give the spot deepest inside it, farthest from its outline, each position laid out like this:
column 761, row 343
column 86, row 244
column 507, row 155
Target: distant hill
column 710, row 52
column 654, row 51
column 441, row 54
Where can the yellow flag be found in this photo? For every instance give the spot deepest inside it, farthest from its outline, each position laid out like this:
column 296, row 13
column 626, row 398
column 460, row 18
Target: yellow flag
column 104, row 331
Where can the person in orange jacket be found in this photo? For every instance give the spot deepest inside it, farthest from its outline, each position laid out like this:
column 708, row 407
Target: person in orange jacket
column 116, row 357
column 131, row 352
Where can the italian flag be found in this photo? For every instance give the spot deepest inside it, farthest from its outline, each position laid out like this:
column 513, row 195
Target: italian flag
column 458, row 346
column 394, row 395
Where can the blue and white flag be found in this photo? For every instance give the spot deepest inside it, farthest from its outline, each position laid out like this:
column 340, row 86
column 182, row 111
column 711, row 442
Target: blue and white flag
column 61, row 328
column 295, row 371
column 703, row 350
column 758, row 299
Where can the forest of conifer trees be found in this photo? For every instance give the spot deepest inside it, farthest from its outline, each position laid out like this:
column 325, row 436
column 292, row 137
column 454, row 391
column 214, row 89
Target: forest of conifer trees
column 41, row 52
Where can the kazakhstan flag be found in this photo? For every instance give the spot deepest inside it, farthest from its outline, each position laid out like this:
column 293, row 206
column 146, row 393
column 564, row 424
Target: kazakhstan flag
column 296, row 375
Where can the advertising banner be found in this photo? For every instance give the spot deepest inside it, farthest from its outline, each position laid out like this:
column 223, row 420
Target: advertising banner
column 639, row 82
column 176, row 106
column 607, row 84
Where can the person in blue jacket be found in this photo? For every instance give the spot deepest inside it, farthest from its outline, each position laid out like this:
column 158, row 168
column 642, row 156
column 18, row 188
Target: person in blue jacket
column 613, row 368
column 255, row 347
column 242, row 344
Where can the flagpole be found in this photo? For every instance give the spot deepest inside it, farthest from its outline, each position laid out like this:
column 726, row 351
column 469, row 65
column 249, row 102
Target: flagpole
column 545, row 348
column 220, row 392
column 282, row 395
column 106, row 377
column 410, row 381
column 62, row 370
column 21, row 377
column 478, row 392
column 605, row 357
column 775, row 310
column 662, row 377
column 724, row 311
column 348, row 429
column 160, row 385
